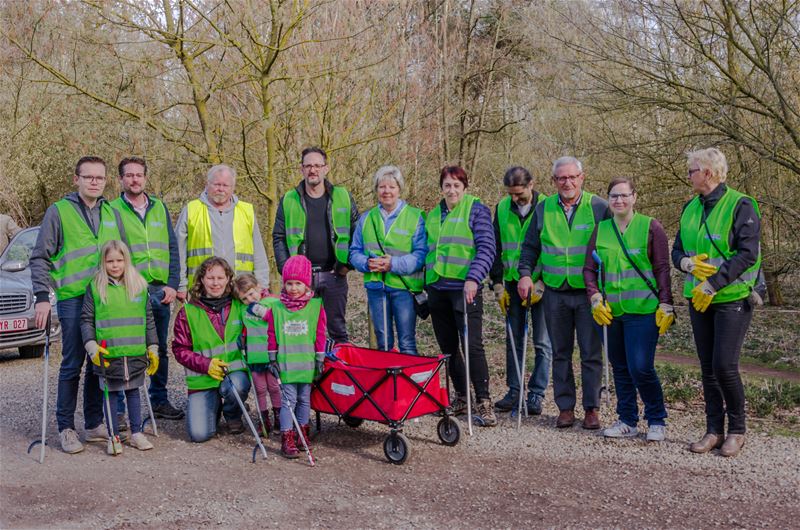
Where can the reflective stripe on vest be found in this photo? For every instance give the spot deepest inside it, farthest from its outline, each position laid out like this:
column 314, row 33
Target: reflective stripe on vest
column 694, row 238
column 207, row 342
column 295, row 221
column 296, row 333
column 200, row 245
column 257, row 333
column 626, row 290
column 451, row 246
column 564, row 247
column 148, row 241
column 397, row 242
column 75, row 263
column 120, row 321
column 512, row 234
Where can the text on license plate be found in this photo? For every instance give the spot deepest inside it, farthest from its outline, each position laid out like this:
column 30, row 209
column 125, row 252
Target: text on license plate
column 13, row 324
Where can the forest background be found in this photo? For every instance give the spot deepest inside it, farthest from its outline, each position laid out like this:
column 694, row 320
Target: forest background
column 626, row 86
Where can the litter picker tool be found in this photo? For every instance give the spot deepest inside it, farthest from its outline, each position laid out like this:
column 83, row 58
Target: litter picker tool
column 466, row 365
column 246, row 416
column 605, row 394
column 107, row 401
column 522, row 405
column 43, row 441
column 152, row 417
column 516, row 362
column 300, row 435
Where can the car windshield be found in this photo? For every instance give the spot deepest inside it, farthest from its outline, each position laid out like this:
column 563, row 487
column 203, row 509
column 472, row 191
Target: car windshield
column 21, row 247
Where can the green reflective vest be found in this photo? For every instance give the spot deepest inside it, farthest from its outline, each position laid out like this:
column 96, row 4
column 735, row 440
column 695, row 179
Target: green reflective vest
column 451, row 244
column 257, row 329
column 148, row 241
column 626, row 291
column 200, row 244
column 694, row 238
column 296, row 333
column 121, row 322
column 397, row 242
column 207, row 342
column 564, row 247
column 295, row 218
column 76, row 262
column 512, row 233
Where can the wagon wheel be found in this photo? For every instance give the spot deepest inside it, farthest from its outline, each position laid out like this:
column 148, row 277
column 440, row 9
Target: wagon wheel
column 396, row 449
column 449, row 431
column 352, row 422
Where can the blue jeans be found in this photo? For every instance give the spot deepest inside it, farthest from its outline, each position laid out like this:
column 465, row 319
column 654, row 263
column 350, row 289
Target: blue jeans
column 203, row 406
column 400, row 310
column 517, row 316
column 631, row 350
column 73, row 355
column 161, row 314
column 297, row 396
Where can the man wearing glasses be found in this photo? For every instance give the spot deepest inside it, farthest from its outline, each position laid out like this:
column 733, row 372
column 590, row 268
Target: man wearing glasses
column 154, row 250
column 66, row 256
column 556, row 239
column 219, row 224
column 317, row 219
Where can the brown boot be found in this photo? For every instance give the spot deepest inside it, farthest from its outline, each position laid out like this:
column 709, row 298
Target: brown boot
column 708, row 442
column 566, row 418
column 732, row 445
column 305, row 430
column 288, row 448
column 591, row 420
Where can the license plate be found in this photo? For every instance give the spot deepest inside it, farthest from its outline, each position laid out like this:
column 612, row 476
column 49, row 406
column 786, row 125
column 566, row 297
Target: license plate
column 13, row 324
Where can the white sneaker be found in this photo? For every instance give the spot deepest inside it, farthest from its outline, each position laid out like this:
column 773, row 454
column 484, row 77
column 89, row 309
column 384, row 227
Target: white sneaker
column 69, row 442
column 620, row 429
column 97, row 434
column 656, row 433
column 114, row 446
column 140, row 442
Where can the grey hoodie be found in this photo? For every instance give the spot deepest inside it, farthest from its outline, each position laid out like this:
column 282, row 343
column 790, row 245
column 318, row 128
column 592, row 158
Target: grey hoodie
column 222, row 235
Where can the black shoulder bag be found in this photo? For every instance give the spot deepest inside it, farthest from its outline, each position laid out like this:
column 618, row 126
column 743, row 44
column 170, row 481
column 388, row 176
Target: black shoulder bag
column 633, row 264
column 421, row 298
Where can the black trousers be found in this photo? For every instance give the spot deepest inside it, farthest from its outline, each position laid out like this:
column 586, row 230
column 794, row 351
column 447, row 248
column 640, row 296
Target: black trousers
column 718, row 336
column 447, row 317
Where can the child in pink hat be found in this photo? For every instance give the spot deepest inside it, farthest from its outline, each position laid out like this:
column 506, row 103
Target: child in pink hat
column 296, row 344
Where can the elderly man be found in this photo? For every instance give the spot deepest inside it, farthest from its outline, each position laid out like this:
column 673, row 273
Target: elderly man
column 317, row 219
column 219, row 224
column 154, row 250
column 511, row 220
column 66, row 256
column 556, row 239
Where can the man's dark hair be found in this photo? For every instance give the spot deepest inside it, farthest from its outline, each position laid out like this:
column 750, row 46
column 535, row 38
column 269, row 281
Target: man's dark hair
column 314, row 149
column 88, row 160
column 131, row 160
column 517, row 176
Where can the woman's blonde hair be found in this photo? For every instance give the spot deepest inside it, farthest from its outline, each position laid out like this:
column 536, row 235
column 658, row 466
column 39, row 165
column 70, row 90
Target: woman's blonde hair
column 133, row 281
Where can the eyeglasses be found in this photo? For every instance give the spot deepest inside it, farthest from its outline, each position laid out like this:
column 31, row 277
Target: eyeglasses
column 313, row 166
column 693, row 171
column 92, row 178
column 565, row 178
column 615, row 196
column 133, row 175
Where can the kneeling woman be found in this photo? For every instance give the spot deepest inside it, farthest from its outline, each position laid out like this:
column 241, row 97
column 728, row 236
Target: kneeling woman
column 635, row 255
column 207, row 337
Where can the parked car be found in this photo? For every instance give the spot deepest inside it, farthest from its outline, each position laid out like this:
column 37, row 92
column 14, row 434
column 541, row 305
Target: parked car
column 17, row 323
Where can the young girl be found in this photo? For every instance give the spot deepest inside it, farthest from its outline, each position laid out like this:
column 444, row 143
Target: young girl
column 118, row 324
column 248, row 291
column 296, row 342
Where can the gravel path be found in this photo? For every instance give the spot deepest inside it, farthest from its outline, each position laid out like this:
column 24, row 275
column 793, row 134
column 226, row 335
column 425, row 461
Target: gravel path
column 500, row 478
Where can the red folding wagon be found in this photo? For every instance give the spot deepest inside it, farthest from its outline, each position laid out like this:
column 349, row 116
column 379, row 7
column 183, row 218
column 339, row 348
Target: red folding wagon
column 360, row 384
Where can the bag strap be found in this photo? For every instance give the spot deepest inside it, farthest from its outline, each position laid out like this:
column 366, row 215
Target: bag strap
column 633, row 264
column 380, row 245
column 704, row 222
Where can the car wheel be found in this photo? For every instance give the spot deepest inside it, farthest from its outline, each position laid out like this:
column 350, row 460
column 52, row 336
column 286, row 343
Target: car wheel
column 31, row 352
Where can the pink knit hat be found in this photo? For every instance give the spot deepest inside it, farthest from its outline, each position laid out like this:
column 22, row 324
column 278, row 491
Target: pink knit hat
column 297, row 268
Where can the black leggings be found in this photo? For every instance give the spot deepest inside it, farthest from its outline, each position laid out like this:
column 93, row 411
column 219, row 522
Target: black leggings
column 718, row 335
column 447, row 316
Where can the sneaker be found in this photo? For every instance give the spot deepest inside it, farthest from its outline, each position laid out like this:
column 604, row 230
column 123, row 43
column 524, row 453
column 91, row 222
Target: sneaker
column 167, row 411
column 458, row 406
column 69, row 442
column 509, row 401
column 140, row 442
column 97, row 434
column 620, row 429
column 535, row 404
column 114, row 446
column 486, row 413
column 656, row 433
column 235, row 426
